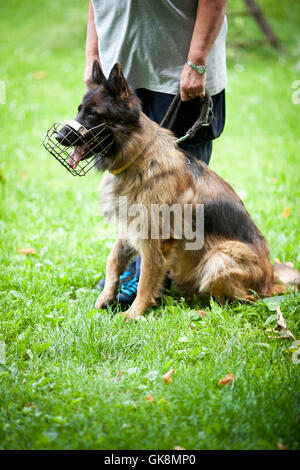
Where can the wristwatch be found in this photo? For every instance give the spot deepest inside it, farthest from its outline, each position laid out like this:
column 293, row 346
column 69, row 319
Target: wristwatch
column 201, row 69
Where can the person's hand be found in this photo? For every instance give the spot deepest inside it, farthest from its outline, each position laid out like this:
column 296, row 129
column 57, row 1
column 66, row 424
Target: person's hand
column 89, row 67
column 192, row 84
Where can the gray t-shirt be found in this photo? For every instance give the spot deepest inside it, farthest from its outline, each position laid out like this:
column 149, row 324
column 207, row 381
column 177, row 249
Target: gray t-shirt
column 151, row 40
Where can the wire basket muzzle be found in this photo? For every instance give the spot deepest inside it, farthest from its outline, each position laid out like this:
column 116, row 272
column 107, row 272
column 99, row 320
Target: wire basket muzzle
column 78, row 149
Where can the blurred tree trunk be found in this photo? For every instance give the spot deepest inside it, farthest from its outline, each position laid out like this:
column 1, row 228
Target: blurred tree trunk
column 257, row 13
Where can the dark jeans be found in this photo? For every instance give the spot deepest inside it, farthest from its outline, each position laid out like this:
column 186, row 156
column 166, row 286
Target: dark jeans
column 156, row 104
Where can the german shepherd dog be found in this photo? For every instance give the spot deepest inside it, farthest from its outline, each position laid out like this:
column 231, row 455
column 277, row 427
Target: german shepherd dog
column 144, row 165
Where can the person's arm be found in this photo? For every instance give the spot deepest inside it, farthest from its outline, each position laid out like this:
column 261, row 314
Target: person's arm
column 209, row 19
column 91, row 48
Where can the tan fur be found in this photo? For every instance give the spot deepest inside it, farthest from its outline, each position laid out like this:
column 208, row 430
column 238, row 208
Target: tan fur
column 224, row 268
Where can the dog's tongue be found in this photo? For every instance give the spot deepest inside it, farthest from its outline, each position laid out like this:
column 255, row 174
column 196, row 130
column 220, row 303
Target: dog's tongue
column 75, row 157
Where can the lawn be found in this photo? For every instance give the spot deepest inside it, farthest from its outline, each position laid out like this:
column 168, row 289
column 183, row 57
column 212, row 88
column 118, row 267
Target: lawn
column 72, row 377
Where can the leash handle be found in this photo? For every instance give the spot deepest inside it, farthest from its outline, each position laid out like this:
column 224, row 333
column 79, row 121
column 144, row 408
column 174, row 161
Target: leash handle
column 205, row 118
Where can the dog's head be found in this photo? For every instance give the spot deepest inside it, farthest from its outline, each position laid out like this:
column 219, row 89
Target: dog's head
column 109, row 111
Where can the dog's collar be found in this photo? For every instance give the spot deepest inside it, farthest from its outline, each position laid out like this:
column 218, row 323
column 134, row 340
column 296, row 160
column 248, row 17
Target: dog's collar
column 127, row 165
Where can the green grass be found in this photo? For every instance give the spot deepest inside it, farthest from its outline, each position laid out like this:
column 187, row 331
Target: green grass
column 77, row 378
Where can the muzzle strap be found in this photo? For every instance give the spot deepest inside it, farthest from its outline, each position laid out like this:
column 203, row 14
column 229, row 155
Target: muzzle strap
column 77, row 127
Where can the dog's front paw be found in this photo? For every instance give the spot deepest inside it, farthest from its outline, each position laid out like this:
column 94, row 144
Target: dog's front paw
column 103, row 300
column 131, row 315
column 138, row 308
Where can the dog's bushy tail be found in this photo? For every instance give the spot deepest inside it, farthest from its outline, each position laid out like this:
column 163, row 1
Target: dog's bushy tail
column 285, row 276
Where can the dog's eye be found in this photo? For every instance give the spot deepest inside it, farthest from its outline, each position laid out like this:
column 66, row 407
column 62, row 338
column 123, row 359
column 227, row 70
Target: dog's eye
column 92, row 113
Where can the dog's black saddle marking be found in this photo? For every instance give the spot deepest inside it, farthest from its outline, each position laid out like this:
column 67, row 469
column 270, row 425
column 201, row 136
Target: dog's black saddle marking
column 224, row 216
column 194, row 165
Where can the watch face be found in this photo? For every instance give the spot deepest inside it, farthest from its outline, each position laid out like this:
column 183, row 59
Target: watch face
column 199, row 68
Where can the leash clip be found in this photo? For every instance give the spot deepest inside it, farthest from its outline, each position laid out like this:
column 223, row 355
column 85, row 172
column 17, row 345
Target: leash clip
column 181, row 139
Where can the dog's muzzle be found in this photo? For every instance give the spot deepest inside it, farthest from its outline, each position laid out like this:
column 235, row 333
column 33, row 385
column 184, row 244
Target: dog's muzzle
column 78, row 149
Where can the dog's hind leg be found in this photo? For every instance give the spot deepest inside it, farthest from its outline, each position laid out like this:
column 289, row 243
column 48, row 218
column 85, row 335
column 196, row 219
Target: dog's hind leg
column 231, row 269
column 115, row 265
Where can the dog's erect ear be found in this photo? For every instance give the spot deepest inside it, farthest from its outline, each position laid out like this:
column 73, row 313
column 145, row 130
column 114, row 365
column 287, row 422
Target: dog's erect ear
column 117, row 83
column 97, row 74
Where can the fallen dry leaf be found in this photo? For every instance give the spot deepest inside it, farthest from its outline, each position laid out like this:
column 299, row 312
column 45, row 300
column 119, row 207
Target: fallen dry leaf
column 202, row 313
column 281, row 326
column 227, row 380
column 251, row 298
column 118, row 377
column 150, row 398
column 167, row 376
column 179, row 448
column 26, row 251
column 30, row 405
column 281, row 323
column 286, row 212
column 40, row 74
column 281, row 446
